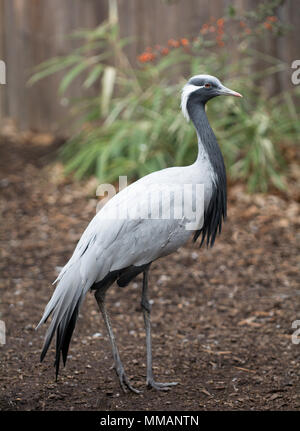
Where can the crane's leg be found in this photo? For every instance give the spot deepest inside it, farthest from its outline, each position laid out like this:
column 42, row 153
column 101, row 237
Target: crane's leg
column 146, row 311
column 124, row 382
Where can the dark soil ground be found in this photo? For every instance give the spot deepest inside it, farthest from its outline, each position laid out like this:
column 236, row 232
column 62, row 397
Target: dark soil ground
column 222, row 317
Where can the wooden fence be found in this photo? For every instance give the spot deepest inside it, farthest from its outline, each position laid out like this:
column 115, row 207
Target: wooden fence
column 32, row 31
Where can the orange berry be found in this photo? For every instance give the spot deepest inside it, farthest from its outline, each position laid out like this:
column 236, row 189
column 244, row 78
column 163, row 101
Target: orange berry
column 184, row 42
column 173, row 43
column 141, row 58
column 272, row 18
column 146, row 56
column 268, row 25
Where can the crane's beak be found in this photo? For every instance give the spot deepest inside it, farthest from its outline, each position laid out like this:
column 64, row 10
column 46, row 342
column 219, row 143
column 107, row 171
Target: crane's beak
column 227, row 92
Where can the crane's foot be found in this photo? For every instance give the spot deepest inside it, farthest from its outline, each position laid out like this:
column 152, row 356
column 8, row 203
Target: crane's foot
column 124, row 382
column 151, row 383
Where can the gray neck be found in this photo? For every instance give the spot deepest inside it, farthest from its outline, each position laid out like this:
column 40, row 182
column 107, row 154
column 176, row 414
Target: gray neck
column 207, row 141
column 208, row 147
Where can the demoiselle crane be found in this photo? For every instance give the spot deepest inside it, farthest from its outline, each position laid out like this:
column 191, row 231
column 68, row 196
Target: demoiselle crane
column 118, row 248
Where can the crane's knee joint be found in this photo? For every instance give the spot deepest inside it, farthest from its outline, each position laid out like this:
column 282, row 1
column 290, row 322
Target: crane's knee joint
column 146, row 305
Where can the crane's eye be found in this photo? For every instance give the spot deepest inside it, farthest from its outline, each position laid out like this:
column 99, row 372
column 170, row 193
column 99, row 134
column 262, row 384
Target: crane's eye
column 207, row 85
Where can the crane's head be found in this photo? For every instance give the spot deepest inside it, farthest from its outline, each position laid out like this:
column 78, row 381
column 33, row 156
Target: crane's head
column 200, row 89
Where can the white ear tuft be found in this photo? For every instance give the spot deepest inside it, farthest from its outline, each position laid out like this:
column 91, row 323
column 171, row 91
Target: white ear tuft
column 187, row 90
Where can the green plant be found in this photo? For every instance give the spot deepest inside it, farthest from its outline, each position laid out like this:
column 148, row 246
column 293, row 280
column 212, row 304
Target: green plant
column 134, row 126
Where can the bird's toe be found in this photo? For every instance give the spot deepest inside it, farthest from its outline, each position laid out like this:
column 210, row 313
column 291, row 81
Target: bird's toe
column 124, row 382
column 160, row 386
column 130, row 387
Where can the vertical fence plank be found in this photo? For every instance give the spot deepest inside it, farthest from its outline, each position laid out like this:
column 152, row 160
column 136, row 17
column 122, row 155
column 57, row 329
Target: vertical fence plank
column 34, row 32
column 2, row 55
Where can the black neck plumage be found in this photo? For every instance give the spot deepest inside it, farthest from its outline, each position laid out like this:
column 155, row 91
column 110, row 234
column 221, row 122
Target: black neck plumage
column 216, row 210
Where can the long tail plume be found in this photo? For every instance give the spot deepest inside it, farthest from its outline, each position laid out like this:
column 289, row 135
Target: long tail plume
column 64, row 306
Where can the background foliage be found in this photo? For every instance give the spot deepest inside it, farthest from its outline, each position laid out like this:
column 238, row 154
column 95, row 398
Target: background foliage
column 133, row 124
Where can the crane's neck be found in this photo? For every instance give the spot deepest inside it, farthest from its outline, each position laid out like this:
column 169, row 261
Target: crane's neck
column 207, row 143
column 208, row 148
